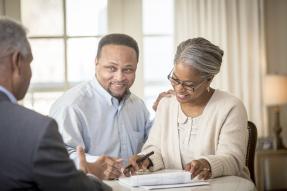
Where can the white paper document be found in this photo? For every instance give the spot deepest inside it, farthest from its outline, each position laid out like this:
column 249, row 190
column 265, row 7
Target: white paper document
column 199, row 183
column 162, row 179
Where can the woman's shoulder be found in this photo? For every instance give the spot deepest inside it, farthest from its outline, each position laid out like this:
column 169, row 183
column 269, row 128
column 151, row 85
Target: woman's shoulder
column 224, row 99
column 223, row 96
column 224, row 103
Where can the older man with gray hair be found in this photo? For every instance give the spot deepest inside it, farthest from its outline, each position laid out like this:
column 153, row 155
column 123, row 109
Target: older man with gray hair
column 33, row 155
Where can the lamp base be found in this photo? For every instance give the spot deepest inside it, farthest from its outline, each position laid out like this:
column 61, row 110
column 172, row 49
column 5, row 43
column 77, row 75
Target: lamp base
column 278, row 143
column 277, row 140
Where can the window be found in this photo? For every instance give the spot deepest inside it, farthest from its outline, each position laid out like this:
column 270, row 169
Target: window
column 157, row 47
column 64, row 36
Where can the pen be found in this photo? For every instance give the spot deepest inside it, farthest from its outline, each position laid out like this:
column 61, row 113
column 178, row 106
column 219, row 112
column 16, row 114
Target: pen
column 138, row 161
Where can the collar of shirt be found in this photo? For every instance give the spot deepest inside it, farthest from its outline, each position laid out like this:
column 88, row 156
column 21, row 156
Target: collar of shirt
column 8, row 94
column 108, row 97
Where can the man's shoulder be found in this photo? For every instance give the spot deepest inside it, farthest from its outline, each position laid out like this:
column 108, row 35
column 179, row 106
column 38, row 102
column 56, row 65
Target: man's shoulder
column 134, row 99
column 22, row 113
column 74, row 95
column 18, row 118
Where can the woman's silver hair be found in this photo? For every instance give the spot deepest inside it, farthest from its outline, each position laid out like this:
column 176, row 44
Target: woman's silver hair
column 13, row 37
column 200, row 54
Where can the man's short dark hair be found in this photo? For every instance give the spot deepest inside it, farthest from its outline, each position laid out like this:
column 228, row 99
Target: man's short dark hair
column 118, row 39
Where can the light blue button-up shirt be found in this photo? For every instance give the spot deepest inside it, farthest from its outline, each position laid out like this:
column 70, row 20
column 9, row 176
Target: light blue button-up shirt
column 8, row 94
column 89, row 116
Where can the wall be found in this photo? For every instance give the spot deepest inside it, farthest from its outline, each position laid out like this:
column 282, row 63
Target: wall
column 10, row 8
column 276, row 30
column 1, row 7
column 276, row 47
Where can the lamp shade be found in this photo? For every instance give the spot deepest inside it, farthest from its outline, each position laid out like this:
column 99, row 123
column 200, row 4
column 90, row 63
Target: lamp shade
column 275, row 89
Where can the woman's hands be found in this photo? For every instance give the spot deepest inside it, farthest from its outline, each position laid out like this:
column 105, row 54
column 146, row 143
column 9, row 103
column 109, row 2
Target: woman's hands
column 135, row 166
column 200, row 168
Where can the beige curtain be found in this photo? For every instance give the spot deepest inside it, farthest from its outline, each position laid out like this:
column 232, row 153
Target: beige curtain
column 235, row 25
column 124, row 16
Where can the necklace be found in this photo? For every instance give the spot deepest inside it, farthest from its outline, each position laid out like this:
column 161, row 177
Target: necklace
column 191, row 119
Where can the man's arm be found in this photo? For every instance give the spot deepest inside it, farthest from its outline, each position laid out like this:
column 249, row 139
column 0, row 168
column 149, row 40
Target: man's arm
column 53, row 169
column 72, row 125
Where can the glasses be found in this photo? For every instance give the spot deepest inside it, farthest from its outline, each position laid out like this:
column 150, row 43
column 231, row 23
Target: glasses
column 187, row 85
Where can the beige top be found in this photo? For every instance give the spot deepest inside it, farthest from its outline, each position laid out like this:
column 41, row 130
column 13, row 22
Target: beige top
column 187, row 128
column 221, row 137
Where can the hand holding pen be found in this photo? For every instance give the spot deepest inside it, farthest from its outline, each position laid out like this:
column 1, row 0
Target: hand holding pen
column 137, row 162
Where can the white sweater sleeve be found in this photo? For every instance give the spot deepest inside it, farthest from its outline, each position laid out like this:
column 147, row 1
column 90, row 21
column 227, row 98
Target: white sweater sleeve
column 153, row 142
column 229, row 158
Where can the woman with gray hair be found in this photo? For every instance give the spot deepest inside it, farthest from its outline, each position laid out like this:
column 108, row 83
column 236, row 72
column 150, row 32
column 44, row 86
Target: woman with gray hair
column 199, row 129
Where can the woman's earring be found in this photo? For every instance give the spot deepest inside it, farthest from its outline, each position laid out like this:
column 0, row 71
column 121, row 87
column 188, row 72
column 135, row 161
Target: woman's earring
column 208, row 89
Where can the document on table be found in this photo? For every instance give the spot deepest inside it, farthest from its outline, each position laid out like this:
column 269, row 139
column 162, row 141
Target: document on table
column 199, row 183
column 162, row 179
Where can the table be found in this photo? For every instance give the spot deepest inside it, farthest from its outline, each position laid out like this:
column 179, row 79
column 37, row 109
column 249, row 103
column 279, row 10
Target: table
column 226, row 183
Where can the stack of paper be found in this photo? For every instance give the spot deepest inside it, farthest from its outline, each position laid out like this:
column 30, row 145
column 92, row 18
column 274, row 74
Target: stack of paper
column 166, row 186
column 168, row 178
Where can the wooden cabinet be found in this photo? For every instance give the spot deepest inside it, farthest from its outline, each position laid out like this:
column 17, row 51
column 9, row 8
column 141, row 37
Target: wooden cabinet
column 271, row 170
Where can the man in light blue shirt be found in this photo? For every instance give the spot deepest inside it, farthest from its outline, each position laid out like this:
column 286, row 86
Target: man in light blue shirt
column 102, row 115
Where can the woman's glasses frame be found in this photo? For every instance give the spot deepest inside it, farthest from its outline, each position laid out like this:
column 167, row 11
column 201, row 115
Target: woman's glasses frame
column 187, row 85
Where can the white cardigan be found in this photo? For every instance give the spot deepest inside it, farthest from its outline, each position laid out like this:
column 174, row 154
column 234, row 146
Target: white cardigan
column 221, row 140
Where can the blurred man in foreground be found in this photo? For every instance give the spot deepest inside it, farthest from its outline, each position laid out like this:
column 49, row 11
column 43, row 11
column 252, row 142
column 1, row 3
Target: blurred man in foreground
column 33, row 155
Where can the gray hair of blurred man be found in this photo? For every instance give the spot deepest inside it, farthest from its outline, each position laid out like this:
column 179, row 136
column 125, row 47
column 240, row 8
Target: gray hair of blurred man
column 13, row 37
column 200, row 54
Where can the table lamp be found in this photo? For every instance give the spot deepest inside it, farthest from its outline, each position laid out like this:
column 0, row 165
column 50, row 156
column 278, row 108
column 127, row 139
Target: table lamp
column 276, row 95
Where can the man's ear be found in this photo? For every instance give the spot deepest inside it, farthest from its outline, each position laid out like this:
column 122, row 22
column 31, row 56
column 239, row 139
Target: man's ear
column 16, row 64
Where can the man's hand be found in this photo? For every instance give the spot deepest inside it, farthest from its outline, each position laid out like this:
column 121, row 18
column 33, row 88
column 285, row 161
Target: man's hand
column 105, row 167
column 160, row 96
column 199, row 167
column 135, row 166
column 83, row 164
